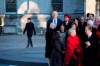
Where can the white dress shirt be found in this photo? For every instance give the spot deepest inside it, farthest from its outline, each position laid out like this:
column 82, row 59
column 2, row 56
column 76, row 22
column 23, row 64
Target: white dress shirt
column 89, row 35
column 55, row 21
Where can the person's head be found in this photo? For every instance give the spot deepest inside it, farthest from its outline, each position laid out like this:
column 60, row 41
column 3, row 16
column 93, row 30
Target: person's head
column 91, row 16
column 88, row 15
column 90, row 23
column 97, row 21
column 72, row 32
column 54, row 14
column 62, row 28
column 74, row 26
column 56, row 36
column 67, row 17
column 88, row 30
column 29, row 19
column 82, row 19
column 76, row 20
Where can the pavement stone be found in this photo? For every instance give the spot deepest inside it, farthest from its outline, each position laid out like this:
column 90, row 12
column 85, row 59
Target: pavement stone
column 13, row 51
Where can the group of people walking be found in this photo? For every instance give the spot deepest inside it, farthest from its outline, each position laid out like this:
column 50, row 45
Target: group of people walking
column 73, row 42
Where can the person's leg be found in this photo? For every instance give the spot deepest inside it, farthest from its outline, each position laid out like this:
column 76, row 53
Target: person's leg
column 72, row 62
column 28, row 42
column 49, row 62
column 31, row 42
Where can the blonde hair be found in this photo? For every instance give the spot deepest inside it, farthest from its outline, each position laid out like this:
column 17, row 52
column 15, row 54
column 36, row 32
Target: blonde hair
column 90, row 22
column 70, row 30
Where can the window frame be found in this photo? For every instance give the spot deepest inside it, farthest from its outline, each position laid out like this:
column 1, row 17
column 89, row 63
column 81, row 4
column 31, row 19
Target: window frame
column 10, row 12
column 58, row 3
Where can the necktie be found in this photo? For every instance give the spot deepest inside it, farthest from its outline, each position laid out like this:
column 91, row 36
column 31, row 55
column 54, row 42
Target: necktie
column 89, row 37
column 54, row 21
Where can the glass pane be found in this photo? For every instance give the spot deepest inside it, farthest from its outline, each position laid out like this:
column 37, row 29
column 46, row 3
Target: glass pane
column 58, row 7
column 10, row 1
column 10, row 7
column 57, row 1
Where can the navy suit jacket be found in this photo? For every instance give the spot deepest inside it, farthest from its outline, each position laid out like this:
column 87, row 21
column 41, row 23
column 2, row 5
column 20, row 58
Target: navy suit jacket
column 49, row 31
column 50, row 21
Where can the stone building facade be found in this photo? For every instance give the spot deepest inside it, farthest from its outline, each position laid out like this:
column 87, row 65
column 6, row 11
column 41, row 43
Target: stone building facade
column 14, row 13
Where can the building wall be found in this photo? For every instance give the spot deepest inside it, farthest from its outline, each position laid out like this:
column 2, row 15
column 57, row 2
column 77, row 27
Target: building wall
column 2, row 12
column 1, row 6
column 74, row 7
column 39, row 11
column 91, row 6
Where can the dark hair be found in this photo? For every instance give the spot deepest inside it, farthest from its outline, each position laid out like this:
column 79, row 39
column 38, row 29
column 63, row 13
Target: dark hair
column 60, row 27
column 73, row 24
column 92, row 14
column 77, row 20
column 88, row 14
column 29, row 18
column 56, row 36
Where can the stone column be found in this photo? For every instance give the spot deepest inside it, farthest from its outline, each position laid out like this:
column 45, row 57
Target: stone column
column 90, row 6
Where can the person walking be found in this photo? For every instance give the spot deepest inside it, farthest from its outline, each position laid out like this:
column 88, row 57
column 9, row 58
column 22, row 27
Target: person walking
column 29, row 28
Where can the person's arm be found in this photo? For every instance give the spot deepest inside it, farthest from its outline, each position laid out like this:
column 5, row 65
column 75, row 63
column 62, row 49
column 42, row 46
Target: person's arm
column 25, row 29
column 57, row 46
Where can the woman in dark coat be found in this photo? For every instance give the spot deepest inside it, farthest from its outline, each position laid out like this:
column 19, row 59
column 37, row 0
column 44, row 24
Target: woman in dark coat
column 57, row 54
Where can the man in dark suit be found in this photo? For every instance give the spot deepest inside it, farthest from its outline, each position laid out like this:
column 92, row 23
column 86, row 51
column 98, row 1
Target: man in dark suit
column 91, row 42
column 52, row 26
column 29, row 28
column 90, row 23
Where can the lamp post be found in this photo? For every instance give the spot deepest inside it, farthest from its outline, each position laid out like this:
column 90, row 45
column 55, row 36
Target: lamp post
column 28, row 4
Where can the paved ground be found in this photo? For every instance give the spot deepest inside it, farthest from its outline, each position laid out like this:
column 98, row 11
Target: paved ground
column 13, row 51
column 19, row 41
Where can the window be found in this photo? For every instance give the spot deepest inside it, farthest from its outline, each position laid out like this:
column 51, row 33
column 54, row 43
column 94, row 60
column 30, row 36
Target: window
column 11, row 6
column 57, row 5
column 98, row 7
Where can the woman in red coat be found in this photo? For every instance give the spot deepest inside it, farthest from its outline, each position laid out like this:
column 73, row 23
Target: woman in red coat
column 73, row 49
column 98, row 32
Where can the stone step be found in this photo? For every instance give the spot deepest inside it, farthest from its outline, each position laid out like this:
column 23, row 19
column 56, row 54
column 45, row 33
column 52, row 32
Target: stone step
column 24, row 57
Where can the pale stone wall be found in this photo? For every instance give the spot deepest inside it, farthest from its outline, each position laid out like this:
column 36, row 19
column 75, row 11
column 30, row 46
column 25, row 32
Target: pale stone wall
column 90, row 6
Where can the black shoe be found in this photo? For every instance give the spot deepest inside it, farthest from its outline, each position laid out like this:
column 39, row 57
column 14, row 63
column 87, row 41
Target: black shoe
column 27, row 46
